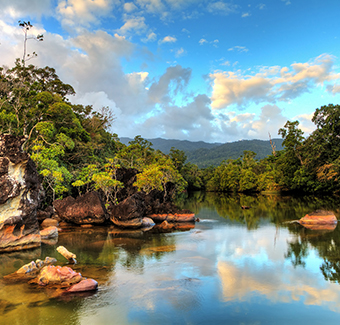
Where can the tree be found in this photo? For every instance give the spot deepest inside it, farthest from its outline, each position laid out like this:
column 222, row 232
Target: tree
column 26, row 26
column 157, row 175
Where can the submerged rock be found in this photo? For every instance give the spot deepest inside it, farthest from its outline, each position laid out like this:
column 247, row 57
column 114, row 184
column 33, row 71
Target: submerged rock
column 20, row 196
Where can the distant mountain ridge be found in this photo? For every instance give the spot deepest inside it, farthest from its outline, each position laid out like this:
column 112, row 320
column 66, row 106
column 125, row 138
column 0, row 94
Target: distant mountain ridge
column 165, row 145
column 205, row 154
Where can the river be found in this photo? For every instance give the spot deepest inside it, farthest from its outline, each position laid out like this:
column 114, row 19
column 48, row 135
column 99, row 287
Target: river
column 235, row 267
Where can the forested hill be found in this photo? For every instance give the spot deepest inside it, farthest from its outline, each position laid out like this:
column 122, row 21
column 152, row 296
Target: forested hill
column 205, row 154
column 165, row 145
column 231, row 150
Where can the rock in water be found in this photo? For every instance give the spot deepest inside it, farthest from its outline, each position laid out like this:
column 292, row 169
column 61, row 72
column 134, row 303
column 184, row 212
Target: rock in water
column 58, row 275
column 319, row 217
column 83, row 285
column 49, row 232
column 68, row 255
column 130, row 212
column 27, row 268
column 20, row 196
column 85, row 209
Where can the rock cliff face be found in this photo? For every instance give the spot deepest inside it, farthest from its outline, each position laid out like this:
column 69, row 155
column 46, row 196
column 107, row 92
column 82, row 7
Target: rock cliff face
column 20, row 195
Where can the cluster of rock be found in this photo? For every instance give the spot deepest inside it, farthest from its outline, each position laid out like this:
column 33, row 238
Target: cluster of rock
column 135, row 209
column 23, row 225
column 62, row 278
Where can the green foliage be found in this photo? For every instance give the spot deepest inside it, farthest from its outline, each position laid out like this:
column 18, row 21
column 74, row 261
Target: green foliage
column 156, row 175
column 56, row 178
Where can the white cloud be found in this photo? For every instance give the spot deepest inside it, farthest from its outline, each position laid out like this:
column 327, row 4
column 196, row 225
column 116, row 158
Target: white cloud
column 14, row 10
column 238, row 48
column 271, row 84
column 151, row 37
column 180, row 52
column 77, row 13
column 129, row 7
column 168, row 39
column 152, row 6
column 202, row 41
column 220, row 7
column 246, row 14
column 133, row 25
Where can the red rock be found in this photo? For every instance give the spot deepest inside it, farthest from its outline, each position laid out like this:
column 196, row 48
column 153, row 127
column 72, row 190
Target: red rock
column 319, row 217
column 184, row 226
column 58, row 275
column 177, row 217
column 158, row 217
column 84, row 285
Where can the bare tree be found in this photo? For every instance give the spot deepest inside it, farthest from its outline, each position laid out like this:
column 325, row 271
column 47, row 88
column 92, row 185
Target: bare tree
column 272, row 144
column 26, row 26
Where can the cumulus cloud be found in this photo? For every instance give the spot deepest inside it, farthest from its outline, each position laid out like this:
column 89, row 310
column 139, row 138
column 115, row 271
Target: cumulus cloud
column 14, row 10
column 190, row 121
column 174, row 80
column 151, row 37
column 152, row 6
column 83, row 12
column 168, row 39
column 129, row 7
column 133, row 25
column 271, row 84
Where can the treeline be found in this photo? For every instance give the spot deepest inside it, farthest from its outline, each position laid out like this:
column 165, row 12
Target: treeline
column 305, row 165
column 75, row 151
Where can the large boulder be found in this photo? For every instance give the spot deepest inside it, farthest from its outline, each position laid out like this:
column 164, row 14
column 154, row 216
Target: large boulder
column 20, row 196
column 85, row 209
column 130, row 212
column 319, row 217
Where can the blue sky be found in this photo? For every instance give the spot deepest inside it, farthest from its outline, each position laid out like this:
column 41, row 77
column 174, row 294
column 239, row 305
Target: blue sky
column 216, row 71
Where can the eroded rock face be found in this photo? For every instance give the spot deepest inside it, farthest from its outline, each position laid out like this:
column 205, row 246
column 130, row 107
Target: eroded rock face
column 85, row 209
column 20, row 196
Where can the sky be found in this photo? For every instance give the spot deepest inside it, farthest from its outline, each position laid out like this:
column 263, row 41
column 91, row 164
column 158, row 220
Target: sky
column 199, row 70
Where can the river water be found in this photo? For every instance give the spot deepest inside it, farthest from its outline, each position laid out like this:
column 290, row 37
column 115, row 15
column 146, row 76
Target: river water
column 234, row 267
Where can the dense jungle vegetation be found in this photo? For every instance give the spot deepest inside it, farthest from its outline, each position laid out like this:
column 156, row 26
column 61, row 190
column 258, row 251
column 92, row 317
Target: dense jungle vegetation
column 75, row 151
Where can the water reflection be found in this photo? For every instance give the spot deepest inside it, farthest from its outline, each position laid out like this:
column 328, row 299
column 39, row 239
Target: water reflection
column 236, row 266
